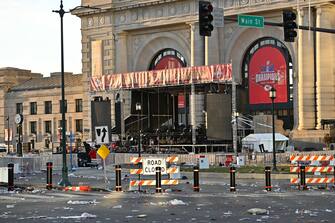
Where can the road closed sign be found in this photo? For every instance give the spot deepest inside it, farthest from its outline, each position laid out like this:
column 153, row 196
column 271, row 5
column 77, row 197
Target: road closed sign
column 150, row 164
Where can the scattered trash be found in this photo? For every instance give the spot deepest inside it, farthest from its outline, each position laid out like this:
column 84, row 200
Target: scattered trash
column 177, row 202
column 141, row 216
column 82, row 202
column 228, row 213
column 84, row 215
column 68, row 208
column 257, row 211
column 172, row 202
column 244, row 219
column 29, row 188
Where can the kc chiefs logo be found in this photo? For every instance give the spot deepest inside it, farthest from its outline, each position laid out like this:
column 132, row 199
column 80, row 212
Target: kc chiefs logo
column 268, row 76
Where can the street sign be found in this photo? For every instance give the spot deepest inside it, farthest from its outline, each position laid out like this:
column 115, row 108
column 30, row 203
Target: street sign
column 251, row 21
column 203, row 162
column 150, row 164
column 101, row 134
column 3, row 174
column 103, row 152
column 218, row 15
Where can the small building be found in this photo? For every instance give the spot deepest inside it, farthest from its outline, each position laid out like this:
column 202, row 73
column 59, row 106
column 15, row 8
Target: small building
column 253, row 142
column 38, row 99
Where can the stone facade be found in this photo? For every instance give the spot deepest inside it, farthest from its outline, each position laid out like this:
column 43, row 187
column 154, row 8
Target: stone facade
column 23, row 87
column 133, row 32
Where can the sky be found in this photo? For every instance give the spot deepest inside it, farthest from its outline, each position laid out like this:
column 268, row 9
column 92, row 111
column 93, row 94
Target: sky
column 30, row 36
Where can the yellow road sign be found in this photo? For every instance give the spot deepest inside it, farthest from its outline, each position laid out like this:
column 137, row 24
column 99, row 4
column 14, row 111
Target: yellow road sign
column 103, row 152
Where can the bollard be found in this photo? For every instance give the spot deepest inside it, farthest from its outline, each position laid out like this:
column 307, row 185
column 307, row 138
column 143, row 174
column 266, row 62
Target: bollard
column 232, row 179
column 158, row 180
column 49, row 175
column 118, row 186
column 196, row 187
column 268, row 186
column 10, row 176
column 303, row 178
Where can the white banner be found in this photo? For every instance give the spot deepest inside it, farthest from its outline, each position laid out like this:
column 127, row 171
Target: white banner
column 150, row 164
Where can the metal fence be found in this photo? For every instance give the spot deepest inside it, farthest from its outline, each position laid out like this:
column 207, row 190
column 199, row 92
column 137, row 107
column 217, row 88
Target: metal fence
column 35, row 163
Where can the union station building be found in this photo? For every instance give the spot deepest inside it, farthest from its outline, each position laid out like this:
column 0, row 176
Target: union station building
column 145, row 67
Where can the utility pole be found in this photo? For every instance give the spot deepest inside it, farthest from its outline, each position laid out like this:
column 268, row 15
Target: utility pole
column 205, row 29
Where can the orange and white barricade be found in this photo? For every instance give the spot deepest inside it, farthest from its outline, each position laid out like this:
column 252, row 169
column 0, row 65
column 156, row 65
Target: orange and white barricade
column 146, row 169
column 321, row 166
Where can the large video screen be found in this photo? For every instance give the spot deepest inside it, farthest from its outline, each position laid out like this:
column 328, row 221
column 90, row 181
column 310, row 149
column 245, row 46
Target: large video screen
column 267, row 69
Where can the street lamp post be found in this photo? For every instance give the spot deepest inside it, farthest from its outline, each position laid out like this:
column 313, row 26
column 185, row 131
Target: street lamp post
column 235, row 132
column 65, row 179
column 272, row 95
column 61, row 12
column 138, row 109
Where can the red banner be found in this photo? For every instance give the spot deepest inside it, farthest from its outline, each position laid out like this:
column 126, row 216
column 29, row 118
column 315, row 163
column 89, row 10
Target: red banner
column 181, row 100
column 168, row 77
column 168, row 62
column 267, row 69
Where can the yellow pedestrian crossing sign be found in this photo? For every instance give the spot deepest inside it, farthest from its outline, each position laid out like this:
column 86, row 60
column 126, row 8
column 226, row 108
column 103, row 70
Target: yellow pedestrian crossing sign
column 103, row 152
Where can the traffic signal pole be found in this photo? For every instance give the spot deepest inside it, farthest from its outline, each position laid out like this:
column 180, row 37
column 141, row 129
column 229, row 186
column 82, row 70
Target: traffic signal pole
column 279, row 24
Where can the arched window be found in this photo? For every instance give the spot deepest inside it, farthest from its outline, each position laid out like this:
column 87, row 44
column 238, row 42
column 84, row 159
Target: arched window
column 264, row 42
column 167, row 58
column 267, row 63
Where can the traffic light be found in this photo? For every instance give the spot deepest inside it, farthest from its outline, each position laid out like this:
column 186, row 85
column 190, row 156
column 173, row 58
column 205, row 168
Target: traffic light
column 289, row 25
column 205, row 18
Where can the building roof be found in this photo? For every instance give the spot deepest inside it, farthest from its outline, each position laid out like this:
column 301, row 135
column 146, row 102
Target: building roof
column 49, row 82
column 264, row 137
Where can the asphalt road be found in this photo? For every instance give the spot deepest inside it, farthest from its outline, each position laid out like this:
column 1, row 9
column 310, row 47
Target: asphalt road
column 211, row 204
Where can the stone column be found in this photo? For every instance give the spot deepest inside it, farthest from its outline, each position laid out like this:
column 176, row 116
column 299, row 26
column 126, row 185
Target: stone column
column 121, row 62
column 197, row 55
column 305, row 74
column 212, row 48
column 196, row 46
column 121, row 66
column 325, row 65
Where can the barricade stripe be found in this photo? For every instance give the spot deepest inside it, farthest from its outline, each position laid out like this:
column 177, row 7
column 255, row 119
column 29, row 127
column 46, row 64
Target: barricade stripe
column 169, row 159
column 152, row 182
column 172, row 159
column 140, row 171
column 313, row 180
column 294, row 180
column 294, row 158
column 310, row 169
